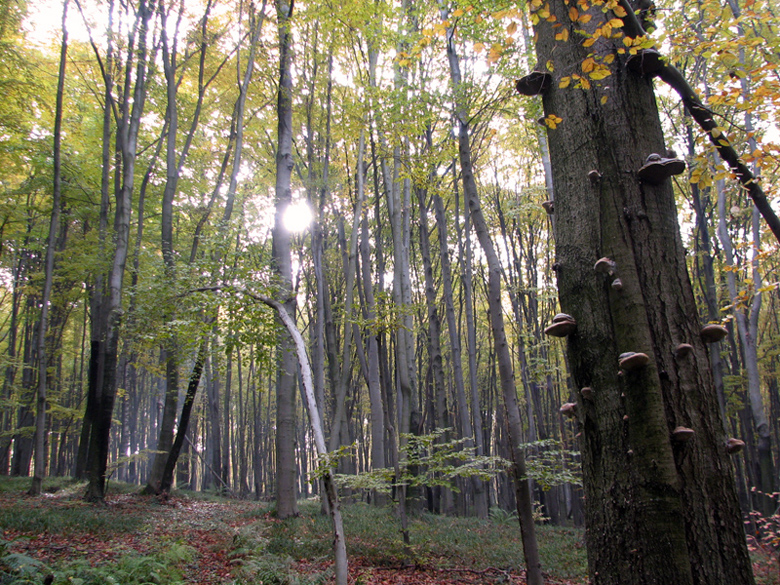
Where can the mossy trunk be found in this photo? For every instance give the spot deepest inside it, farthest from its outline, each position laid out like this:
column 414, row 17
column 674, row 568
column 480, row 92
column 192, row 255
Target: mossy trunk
column 657, row 511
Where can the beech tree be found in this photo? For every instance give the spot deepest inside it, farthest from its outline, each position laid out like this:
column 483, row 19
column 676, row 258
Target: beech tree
column 660, row 501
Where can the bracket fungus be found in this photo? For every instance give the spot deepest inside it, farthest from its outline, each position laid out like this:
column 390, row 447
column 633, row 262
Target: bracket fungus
column 682, row 434
column 633, row 361
column 734, row 446
column 594, row 176
column 712, row 333
column 657, row 169
column 587, row 393
column 647, row 62
column 562, row 325
column 549, row 207
column 617, row 284
column 568, row 409
column 605, row 266
column 683, row 350
column 535, row 83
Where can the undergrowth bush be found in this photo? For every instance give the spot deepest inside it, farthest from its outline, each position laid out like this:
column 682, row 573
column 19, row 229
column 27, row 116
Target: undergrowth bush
column 161, row 568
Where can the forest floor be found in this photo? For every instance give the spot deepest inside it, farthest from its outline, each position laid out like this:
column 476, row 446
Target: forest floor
column 191, row 539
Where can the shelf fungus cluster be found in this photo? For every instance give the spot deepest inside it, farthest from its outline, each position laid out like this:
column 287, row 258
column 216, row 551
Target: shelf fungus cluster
column 631, row 360
column 569, row 409
column 549, row 207
column 683, row 350
column 713, row 333
column 562, row 325
column 682, row 434
column 535, row 83
column 609, row 267
column 587, row 393
column 657, row 169
column 734, row 446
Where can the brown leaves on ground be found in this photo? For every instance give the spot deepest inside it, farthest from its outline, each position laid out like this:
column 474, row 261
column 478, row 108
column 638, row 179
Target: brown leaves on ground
column 211, row 529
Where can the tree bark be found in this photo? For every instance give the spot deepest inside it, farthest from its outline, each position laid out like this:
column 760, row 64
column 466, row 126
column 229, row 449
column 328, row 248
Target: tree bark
column 496, row 312
column 286, row 492
column 40, row 417
column 650, row 498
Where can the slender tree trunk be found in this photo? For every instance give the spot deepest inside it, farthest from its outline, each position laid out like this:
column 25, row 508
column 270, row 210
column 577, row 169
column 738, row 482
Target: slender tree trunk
column 495, row 309
column 127, row 136
column 43, row 361
column 286, row 493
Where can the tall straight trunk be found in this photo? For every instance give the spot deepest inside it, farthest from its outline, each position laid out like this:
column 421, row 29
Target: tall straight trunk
column 40, row 415
column 373, row 380
column 98, row 292
column 747, row 328
column 131, row 109
column 705, row 266
column 286, row 493
column 434, row 331
column 350, row 271
column 495, row 308
column 650, row 496
column 480, row 492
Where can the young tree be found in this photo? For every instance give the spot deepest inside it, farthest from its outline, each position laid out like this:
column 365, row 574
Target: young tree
column 659, row 491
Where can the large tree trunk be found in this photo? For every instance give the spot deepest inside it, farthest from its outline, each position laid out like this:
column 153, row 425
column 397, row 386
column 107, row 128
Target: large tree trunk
column 658, row 509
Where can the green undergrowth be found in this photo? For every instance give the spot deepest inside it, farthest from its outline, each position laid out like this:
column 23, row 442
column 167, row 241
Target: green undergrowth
column 165, row 567
column 374, row 535
column 69, row 514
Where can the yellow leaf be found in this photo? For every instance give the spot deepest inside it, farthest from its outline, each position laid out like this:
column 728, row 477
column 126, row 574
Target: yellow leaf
column 584, row 83
column 573, row 14
column 564, row 82
column 478, row 19
column 589, row 42
column 552, row 121
column 628, row 41
column 588, row 65
column 600, row 74
column 404, row 62
column 603, row 100
column 616, row 23
column 584, row 18
column 494, row 54
column 457, row 13
column 512, row 28
column 563, row 35
column 550, row 66
column 619, row 11
column 479, row 47
column 609, row 58
column 621, row 51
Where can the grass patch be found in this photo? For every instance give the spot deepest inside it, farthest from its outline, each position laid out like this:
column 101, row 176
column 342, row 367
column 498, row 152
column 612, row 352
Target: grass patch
column 69, row 513
column 374, row 534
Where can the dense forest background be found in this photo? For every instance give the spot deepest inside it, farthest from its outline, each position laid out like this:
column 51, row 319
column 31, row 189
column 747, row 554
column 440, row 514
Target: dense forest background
column 143, row 152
